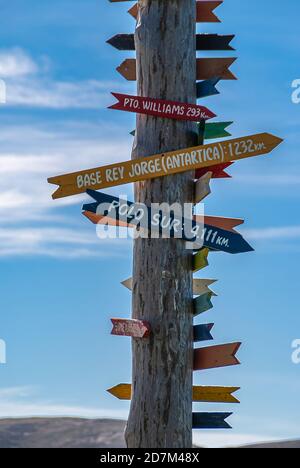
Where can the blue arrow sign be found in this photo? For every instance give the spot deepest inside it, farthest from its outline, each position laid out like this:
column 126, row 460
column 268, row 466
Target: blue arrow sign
column 207, row 88
column 202, row 304
column 213, row 237
column 211, row 421
column 202, row 332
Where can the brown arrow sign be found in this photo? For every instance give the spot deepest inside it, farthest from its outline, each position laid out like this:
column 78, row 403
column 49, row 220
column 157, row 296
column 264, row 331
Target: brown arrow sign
column 207, row 68
column 204, row 10
column 216, row 356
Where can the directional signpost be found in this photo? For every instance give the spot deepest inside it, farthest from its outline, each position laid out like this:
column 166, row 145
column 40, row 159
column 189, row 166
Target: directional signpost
column 170, row 164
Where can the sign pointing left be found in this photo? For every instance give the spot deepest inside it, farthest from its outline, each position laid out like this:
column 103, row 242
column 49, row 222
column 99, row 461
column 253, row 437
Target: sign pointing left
column 160, row 108
column 133, row 328
column 203, row 42
column 200, row 394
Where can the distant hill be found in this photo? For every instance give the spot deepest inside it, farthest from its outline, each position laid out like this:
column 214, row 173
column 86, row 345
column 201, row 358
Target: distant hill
column 77, row 433
column 61, row 433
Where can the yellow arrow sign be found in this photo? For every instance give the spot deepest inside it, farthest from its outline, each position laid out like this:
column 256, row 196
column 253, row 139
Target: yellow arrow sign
column 200, row 394
column 200, row 260
column 200, row 286
column 172, row 162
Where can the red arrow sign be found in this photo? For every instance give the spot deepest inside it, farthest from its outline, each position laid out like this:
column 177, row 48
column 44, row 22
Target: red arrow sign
column 160, row 108
column 216, row 356
column 218, row 171
column 133, row 328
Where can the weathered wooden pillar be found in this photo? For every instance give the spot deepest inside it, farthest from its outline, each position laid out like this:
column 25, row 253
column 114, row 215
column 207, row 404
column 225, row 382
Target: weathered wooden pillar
column 161, row 407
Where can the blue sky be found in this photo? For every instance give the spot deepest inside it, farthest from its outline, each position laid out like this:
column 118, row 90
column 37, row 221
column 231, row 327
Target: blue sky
column 60, row 284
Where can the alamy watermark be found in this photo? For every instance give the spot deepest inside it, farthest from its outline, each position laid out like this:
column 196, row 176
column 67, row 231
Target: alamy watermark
column 160, row 220
column 2, row 92
column 2, row 352
column 296, row 352
column 296, row 92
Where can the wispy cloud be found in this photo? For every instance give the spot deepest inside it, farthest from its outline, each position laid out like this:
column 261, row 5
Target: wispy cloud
column 30, row 84
column 272, row 233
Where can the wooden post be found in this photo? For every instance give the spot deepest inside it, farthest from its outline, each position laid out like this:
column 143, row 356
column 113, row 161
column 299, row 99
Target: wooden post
column 161, row 408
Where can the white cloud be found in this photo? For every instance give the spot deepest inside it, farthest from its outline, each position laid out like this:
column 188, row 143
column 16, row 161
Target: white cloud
column 280, row 233
column 29, row 84
column 15, row 63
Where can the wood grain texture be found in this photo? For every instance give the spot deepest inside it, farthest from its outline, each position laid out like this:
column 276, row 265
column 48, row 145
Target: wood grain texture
column 161, row 407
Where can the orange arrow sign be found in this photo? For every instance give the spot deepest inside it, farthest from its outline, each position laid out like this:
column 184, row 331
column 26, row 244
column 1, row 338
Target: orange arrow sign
column 200, row 394
column 216, row 356
column 207, row 68
column 204, row 11
column 172, row 162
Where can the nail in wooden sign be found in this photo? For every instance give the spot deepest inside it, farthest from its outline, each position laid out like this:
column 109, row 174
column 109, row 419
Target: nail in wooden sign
column 207, row 68
column 200, row 286
column 216, row 356
column 205, row 11
column 202, row 332
column 200, row 394
column 211, row 420
column 159, row 221
column 203, row 42
column 133, row 328
column 202, row 304
column 160, row 108
column 172, row 162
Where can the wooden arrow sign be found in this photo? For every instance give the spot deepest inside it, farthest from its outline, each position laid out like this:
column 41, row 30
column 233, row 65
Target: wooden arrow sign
column 202, row 304
column 215, row 130
column 200, row 260
column 202, row 187
column 133, row 328
column 228, row 224
column 216, row 356
column 215, row 394
column 212, row 237
column 200, row 394
column 205, row 11
column 207, row 68
column 200, row 286
column 211, row 421
column 207, row 88
column 160, row 108
column 203, row 42
column 202, row 332
column 168, row 163
column 218, row 171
